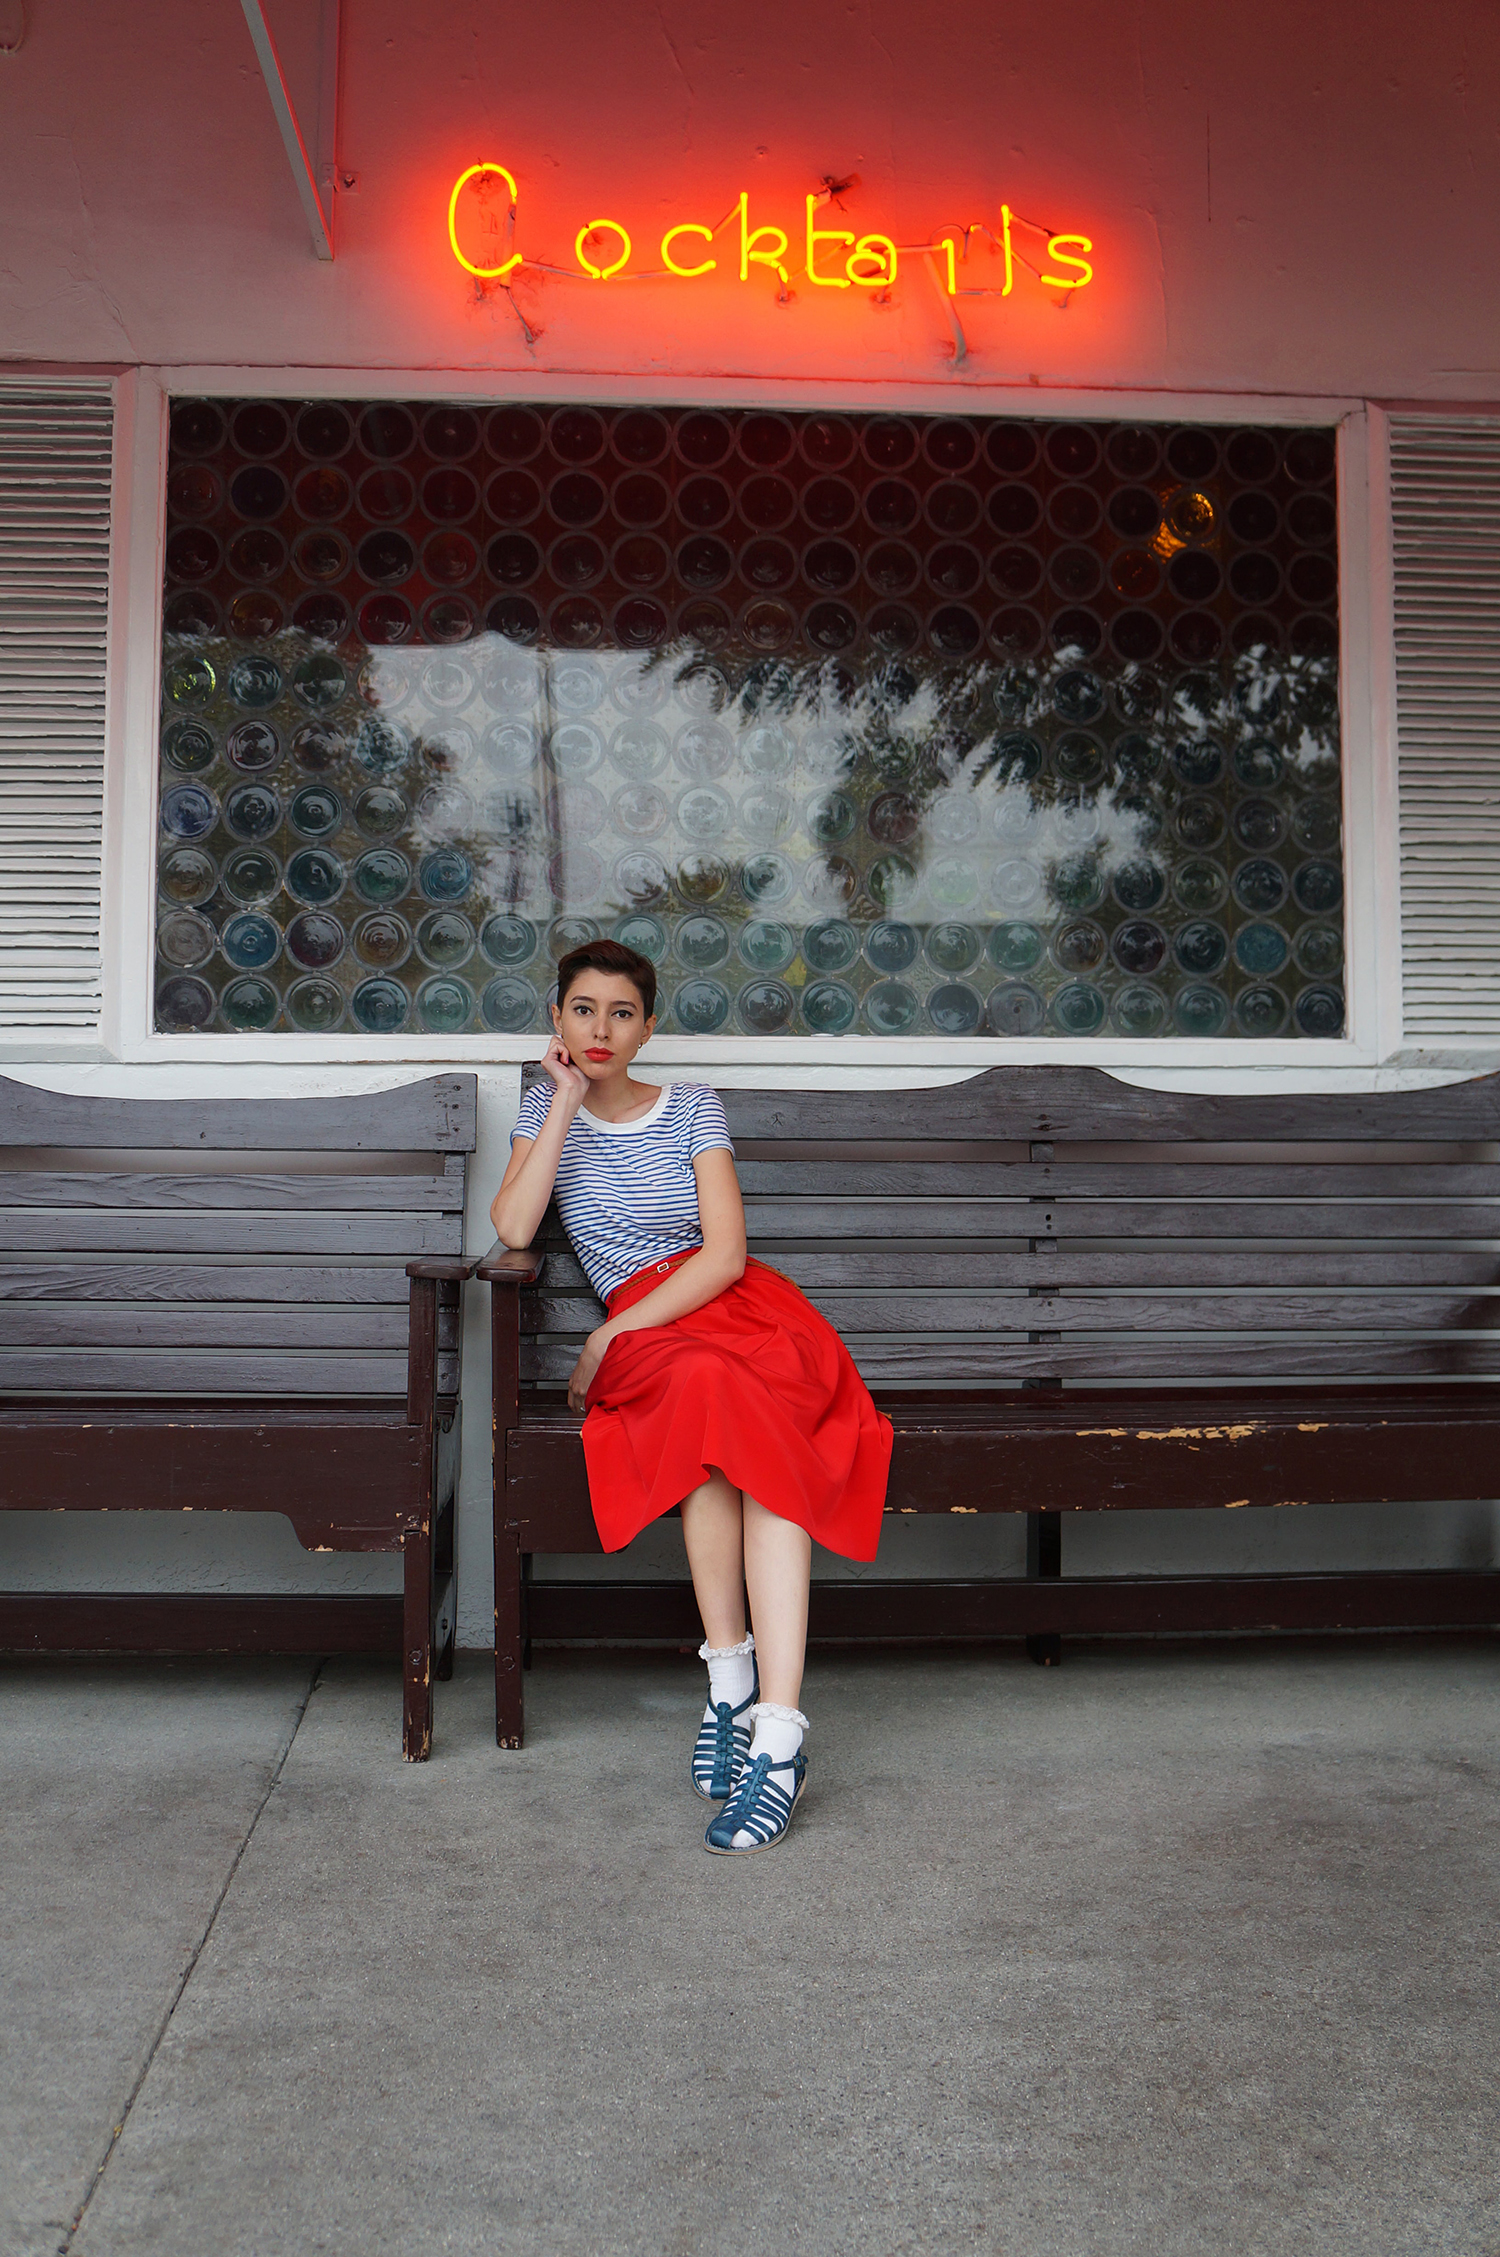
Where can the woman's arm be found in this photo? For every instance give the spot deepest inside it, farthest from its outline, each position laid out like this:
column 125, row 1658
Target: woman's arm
column 717, row 1263
column 526, row 1186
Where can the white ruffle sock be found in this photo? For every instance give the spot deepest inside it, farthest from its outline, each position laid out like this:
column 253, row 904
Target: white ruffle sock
column 778, row 1734
column 731, row 1674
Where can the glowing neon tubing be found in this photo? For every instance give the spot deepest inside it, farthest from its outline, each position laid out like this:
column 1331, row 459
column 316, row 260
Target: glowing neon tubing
column 485, row 273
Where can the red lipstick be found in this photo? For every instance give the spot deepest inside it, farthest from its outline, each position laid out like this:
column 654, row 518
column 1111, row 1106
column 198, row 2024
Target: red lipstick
column 600, row 1057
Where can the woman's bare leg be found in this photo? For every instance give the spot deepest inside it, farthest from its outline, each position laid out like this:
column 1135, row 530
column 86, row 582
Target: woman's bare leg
column 713, row 1532
column 778, row 1567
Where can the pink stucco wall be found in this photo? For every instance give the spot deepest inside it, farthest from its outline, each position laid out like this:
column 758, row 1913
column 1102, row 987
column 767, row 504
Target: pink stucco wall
column 1295, row 197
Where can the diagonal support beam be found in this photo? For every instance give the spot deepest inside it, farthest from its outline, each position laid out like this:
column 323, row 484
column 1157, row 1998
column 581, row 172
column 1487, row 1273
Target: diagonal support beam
column 319, row 216
column 330, row 79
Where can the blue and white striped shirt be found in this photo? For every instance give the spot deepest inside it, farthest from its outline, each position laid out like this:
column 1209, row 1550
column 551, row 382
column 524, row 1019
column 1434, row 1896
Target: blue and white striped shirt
column 626, row 1190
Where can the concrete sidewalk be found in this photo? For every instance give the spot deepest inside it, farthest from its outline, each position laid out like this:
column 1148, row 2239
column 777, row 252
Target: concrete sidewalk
column 1171, row 1950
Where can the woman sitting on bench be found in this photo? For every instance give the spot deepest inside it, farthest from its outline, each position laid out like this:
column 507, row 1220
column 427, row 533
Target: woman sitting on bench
column 712, row 1384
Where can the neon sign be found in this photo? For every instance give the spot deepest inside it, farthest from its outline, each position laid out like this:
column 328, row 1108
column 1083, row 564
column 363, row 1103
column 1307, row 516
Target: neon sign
column 833, row 258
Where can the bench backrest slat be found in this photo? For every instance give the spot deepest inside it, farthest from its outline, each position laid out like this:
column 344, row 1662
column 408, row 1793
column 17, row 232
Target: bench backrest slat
column 945, row 1362
column 435, row 1115
column 1082, row 1104
column 1433, row 1309
column 789, row 1222
column 225, row 1231
column 237, row 1324
column 200, row 1282
column 1048, row 1265
column 182, row 1373
column 313, row 1193
column 1115, row 1180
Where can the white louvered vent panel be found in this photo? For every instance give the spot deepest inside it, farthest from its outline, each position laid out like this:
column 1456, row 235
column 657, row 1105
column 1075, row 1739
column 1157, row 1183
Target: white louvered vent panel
column 1445, row 501
column 55, row 459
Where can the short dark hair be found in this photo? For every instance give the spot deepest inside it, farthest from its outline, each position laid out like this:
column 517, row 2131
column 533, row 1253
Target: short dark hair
column 608, row 956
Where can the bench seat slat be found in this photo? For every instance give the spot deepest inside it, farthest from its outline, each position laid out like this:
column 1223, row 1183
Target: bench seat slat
column 318, row 1194
column 210, row 1282
column 227, row 1231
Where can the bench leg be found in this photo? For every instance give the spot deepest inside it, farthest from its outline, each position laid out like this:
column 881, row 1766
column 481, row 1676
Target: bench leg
column 1043, row 1564
column 444, row 1622
column 510, row 1639
column 416, row 1644
column 444, row 1554
column 444, row 1592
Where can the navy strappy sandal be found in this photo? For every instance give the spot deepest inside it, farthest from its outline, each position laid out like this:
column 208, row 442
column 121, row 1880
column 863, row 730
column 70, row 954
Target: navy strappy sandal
column 761, row 1806
column 722, row 1745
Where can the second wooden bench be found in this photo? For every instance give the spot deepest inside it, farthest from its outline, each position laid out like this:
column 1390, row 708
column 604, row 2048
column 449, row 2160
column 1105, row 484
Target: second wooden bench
column 239, row 1305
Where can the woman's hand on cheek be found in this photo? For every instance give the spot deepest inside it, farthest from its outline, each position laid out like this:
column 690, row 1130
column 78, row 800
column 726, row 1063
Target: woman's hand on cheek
column 564, row 1074
column 585, row 1368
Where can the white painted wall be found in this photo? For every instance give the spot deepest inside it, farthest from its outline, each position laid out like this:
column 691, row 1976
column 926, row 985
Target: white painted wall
column 1294, row 211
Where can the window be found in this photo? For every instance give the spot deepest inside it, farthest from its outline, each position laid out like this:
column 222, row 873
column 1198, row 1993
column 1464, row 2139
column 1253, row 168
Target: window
column 890, row 725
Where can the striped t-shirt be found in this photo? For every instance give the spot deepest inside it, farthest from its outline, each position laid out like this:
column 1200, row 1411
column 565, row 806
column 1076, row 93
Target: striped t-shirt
column 626, row 1190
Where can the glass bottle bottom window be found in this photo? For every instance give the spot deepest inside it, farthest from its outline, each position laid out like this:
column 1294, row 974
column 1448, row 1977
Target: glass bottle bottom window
column 1048, row 746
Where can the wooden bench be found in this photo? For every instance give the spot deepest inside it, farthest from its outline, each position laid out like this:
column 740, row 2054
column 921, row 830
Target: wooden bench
column 203, row 1309
column 1072, row 1295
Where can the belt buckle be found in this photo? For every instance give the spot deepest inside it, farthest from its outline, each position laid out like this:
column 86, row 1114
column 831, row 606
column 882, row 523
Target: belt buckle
column 662, row 1266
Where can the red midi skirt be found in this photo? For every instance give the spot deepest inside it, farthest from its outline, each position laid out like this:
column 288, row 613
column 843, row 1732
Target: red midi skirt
column 755, row 1383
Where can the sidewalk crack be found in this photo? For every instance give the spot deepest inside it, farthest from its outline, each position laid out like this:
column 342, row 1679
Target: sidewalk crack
column 189, row 1968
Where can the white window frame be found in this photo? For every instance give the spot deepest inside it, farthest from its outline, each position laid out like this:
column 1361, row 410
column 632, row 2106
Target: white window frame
column 1372, row 1034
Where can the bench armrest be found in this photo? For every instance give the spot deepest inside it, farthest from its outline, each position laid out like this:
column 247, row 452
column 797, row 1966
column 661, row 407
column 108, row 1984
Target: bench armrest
column 504, row 1265
column 450, row 1269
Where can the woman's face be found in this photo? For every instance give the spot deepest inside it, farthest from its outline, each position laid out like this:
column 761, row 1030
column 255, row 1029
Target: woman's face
column 602, row 1022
